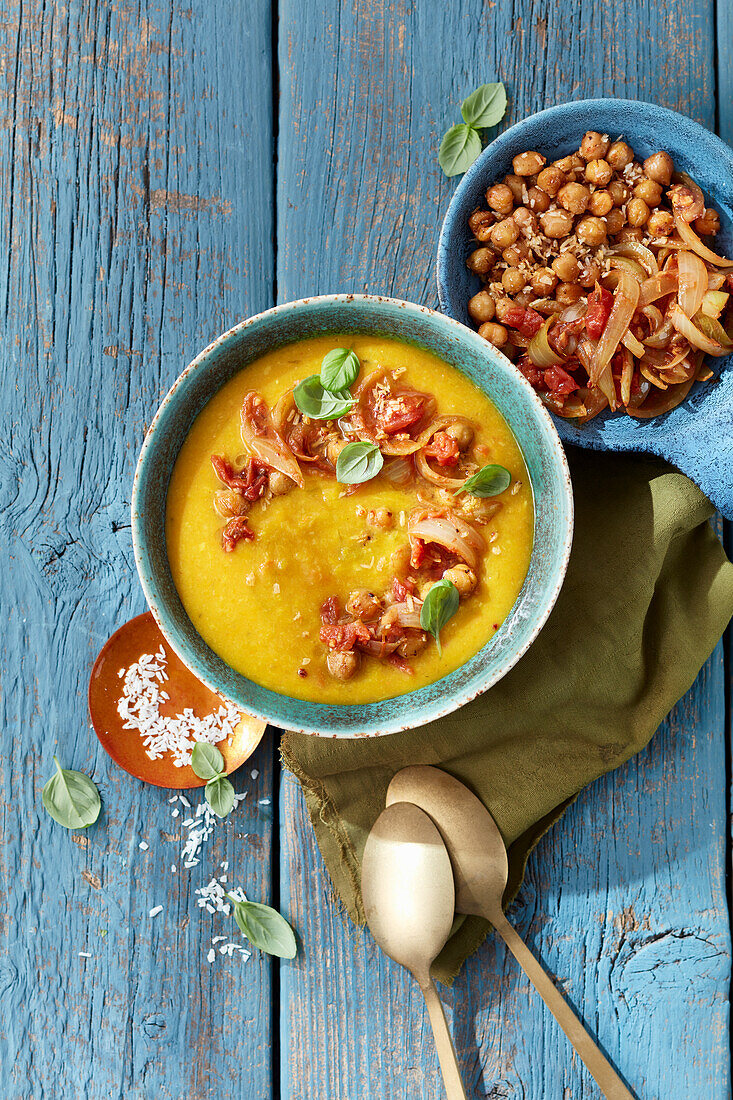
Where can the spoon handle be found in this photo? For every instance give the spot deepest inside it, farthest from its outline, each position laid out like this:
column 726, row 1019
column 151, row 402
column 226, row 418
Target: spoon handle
column 597, row 1064
column 454, row 1089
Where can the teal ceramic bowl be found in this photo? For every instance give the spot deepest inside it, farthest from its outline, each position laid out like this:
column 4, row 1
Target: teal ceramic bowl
column 463, row 349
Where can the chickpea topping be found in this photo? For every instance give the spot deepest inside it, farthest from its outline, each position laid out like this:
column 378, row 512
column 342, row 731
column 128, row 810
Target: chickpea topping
column 615, row 221
column 480, row 224
column 598, row 172
column 574, row 197
column 334, row 449
column 660, row 224
column 482, row 307
column 524, row 218
column 619, row 192
column 568, row 293
column 565, row 164
column 279, row 484
column 379, row 517
column 594, row 145
column 463, row 578
column 500, row 198
column 538, row 200
column 342, row 666
column 550, row 180
column 600, row 203
column 481, row 261
column 619, row 155
column 495, row 334
column 566, row 267
column 527, row 164
column 591, row 231
column 544, row 281
column 410, row 647
column 628, row 234
column 513, row 280
column 463, row 435
column 364, row 605
column 589, row 275
column 516, row 186
column 659, row 167
column 504, row 233
column 649, row 191
column 556, row 223
column 228, row 503
column 708, row 225
column 637, row 212
column 515, row 253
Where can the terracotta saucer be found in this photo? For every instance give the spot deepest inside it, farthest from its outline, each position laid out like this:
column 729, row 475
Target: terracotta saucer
column 125, row 647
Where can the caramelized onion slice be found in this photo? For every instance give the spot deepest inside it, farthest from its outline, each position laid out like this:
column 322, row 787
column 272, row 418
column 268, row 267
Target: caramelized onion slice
column 696, row 336
column 452, row 534
column 625, row 302
column 540, row 350
column 693, row 282
column 261, row 439
column 634, row 250
column 691, row 239
column 657, row 287
column 659, row 401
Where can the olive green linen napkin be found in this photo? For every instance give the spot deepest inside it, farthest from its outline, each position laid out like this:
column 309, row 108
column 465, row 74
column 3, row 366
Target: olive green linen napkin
column 648, row 593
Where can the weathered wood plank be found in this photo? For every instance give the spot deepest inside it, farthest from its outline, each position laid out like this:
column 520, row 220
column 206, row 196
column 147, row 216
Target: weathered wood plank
column 625, row 900
column 135, row 225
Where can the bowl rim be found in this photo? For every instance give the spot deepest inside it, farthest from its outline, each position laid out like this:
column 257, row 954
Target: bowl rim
column 456, row 698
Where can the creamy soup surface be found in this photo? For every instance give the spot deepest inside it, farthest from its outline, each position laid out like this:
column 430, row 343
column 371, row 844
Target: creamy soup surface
column 259, row 605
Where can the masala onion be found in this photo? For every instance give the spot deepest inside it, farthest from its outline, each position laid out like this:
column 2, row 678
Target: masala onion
column 696, row 336
column 691, row 239
column 693, row 282
column 625, row 302
column 452, row 534
column 261, row 439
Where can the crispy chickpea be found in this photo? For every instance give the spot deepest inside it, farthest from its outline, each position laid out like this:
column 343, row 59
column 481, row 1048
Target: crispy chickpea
column 279, row 484
column 481, row 261
column 550, row 180
column 516, row 186
column 649, row 191
column 619, row 155
column 513, row 280
column 577, row 161
column 500, row 198
column 591, row 231
column 527, row 164
column 538, row 200
column 399, row 561
column 556, row 223
column 630, row 234
column 568, row 293
column 637, row 212
column 228, row 502
column 364, row 605
column 565, row 164
column 334, row 449
column 544, row 281
column 615, row 221
column 462, row 433
column 504, row 233
column 379, row 517
column 659, row 167
column 566, row 267
column 589, row 275
column 574, row 197
column 463, row 578
column 515, row 253
column 480, row 223
column 660, row 224
column 600, row 203
column 618, row 191
column 482, row 307
column 524, row 218
column 598, row 172
column 504, row 307
column 524, row 297
column 342, row 666
column 593, row 145
column 709, row 224
column 495, row 334
column 410, row 647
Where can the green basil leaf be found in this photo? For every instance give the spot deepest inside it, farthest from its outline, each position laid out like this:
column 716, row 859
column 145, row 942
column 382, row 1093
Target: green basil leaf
column 206, row 760
column 265, row 928
column 485, row 107
column 220, row 795
column 339, row 370
column 71, row 798
column 489, row 481
column 440, row 605
column 358, row 462
column 458, row 149
column 319, row 403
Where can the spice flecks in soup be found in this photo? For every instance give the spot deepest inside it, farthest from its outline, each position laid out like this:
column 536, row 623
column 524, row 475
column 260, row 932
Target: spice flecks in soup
column 317, row 589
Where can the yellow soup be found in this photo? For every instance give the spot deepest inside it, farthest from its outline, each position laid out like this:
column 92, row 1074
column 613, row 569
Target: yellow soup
column 258, row 606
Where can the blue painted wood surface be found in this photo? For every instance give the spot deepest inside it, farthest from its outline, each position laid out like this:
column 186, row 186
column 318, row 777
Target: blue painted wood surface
column 141, row 213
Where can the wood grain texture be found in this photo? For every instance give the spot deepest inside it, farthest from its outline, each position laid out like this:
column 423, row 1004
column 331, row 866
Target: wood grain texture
column 625, row 900
column 127, row 241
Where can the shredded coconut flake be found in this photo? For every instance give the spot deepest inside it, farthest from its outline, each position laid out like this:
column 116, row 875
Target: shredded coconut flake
column 155, row 910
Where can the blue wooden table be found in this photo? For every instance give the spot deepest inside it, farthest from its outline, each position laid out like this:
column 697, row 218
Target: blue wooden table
column 168, row 170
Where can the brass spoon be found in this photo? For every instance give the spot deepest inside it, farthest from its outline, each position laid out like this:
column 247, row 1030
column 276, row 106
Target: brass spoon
column 480, row 868
column 409, row 898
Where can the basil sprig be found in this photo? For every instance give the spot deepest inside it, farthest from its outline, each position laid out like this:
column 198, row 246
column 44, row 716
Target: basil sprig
column 489, row 481
column 71, row 798
column 358, row 462
column 440, row 605
column 315, row 401
column 462, row 143
column 339, row 370
column 208, row 764
column 265, row 928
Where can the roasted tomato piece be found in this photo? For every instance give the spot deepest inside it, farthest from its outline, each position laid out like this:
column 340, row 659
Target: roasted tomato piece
column 600, row 304
column 558, row 380
column 399, row 412
column 532, row 373
column 444, row 449
column 402, row 589
column 236, row 529
column 331, row 610
column 251, row 482
column 344, row 636
column 526, row 321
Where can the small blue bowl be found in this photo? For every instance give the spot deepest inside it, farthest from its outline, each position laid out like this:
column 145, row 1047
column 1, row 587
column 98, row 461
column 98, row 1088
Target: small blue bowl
column 697, row 436
column 457, row 345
